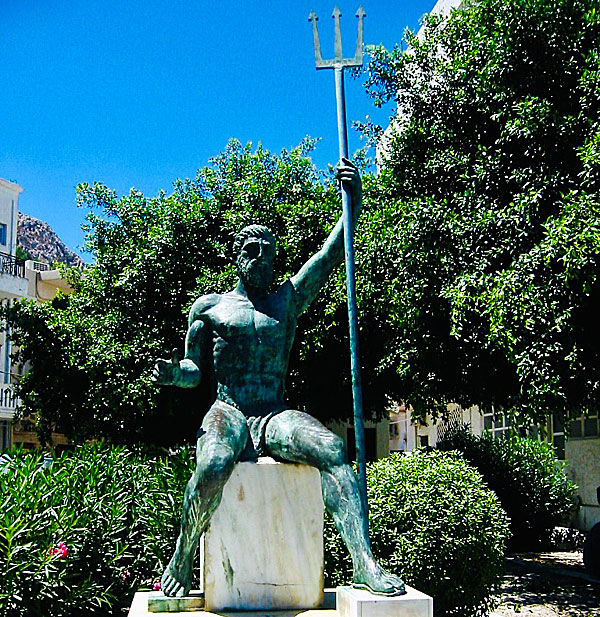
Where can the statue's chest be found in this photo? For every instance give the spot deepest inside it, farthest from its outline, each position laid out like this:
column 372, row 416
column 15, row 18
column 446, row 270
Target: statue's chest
column 245, row 324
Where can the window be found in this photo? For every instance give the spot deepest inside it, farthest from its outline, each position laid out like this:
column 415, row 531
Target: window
column 496, row 423
column 3, row 233
column 424, row 441
column 499, row 425
column 584, row 426
column 557, row 430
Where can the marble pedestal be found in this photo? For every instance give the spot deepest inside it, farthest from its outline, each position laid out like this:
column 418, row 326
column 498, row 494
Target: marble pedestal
column 264, row 547
column 358, row 603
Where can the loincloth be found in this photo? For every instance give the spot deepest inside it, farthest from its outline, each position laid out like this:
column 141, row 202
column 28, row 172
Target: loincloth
column 257, row 428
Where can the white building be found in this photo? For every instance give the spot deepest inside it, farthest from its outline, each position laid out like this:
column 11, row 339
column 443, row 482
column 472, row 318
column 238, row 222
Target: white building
column 18, row 279
column 13, row 284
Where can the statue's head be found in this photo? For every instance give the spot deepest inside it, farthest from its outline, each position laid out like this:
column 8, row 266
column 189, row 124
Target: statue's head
column 254, row 250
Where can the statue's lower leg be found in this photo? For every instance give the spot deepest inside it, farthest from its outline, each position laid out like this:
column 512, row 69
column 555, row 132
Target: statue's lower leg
column 342, row 500
column 295, row 436
column 201, row 498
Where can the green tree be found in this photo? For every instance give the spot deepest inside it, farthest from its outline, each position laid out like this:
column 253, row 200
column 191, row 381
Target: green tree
column 21, row 253
column 91, row 353
column 492, row 164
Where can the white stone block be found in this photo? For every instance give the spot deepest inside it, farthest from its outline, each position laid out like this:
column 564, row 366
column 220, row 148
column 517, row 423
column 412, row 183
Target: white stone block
column 139, row 608
column 264, row 546
column 358, row 603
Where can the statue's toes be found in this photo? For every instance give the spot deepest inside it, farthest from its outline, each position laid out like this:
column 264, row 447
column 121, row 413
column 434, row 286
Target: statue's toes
column 394, row 585
column 171, row 586
column 380, row 582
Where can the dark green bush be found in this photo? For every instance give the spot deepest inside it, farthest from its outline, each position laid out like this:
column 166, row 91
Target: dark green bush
column 81, row 536
column 433, row 521
column 527, row 477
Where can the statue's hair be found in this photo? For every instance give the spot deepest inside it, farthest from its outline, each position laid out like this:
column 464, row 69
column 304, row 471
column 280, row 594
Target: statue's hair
column 251, row 231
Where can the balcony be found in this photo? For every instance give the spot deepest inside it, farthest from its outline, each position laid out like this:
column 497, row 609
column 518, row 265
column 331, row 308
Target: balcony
column 13, row 283
column 11, row 265
column 8, row 402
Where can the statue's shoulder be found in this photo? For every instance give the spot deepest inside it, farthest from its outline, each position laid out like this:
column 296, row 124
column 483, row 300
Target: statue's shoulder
column 286, row 288
column 202, row 305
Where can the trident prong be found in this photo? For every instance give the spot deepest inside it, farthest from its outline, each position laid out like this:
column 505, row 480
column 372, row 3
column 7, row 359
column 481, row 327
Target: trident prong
column 318, row 58
column 339, row 56
column 338, row 60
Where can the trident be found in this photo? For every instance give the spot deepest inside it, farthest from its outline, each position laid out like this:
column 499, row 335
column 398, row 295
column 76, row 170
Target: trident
column 337, row 64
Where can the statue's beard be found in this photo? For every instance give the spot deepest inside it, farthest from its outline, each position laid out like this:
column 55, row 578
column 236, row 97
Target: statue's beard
column 257, row 275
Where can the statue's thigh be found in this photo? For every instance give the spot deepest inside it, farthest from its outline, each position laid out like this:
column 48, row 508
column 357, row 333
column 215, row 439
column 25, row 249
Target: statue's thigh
column 297, row 437
column 223, row 430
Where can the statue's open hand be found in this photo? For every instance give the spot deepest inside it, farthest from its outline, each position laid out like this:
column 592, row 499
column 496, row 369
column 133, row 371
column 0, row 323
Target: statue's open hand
column 166, row 371
column 347, row 173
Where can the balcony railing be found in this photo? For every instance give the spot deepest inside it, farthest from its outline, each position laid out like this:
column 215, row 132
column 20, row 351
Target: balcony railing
column 8, row 400
column 40, row 266
column 11, row 265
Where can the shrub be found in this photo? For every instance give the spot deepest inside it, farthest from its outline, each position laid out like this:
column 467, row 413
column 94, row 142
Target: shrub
column 527, row 477
column 434, row 522
column 81, row 536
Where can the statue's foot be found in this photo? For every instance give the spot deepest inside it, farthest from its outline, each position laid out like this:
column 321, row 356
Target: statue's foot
column 176, row 582
column 375, row 579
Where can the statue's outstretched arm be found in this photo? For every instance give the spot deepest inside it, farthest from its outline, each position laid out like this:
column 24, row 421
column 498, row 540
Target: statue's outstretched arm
column 315, row 272
column 184, row 373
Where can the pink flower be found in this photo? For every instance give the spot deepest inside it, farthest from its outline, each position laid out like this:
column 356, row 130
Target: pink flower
column 156, row 586
column 125, row 575
column 60, row 550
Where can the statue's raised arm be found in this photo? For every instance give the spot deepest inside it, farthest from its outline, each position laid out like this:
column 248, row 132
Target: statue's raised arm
column 315, row 272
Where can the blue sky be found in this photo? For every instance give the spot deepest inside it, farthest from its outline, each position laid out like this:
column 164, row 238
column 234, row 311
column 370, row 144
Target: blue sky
column 141, row 92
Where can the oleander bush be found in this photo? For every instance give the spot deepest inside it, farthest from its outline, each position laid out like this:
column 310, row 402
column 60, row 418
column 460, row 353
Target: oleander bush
column 435, row 522
column 527, row 478
column 79, row 537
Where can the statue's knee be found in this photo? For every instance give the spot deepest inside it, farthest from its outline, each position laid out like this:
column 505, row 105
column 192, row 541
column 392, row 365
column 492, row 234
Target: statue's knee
column 337, row 452
column 215, row 465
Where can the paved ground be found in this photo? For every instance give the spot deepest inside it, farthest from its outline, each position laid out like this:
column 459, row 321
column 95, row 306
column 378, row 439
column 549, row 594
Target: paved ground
column 548, row 585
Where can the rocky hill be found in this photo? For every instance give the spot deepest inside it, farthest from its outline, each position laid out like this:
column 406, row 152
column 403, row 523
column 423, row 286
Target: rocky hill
column 43, row 244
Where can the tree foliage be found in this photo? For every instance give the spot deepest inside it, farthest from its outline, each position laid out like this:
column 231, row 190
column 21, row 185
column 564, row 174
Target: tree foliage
column 492, row 163
column 91, row 353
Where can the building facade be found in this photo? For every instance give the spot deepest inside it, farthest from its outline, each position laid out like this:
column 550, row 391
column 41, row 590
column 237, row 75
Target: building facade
column 18, row 279
column 579, row 447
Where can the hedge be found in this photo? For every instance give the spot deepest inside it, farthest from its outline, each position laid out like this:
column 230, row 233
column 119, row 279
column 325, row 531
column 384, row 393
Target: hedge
column 81, row 536
column 434, row 522
column 527, row 478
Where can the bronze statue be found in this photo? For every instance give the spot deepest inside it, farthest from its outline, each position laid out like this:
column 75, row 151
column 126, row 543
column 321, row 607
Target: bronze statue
column 242, row 341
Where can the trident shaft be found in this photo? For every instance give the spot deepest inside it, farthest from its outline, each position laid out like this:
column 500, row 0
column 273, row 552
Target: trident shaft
column 338, row 63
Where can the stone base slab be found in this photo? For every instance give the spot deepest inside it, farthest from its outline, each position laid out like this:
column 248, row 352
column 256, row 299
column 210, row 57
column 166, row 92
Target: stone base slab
column 358, row 603
column 350, row 603
column 139, row 608
column 159, row 603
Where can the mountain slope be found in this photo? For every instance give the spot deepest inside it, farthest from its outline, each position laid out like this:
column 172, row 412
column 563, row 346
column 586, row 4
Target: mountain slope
column 43, row 244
